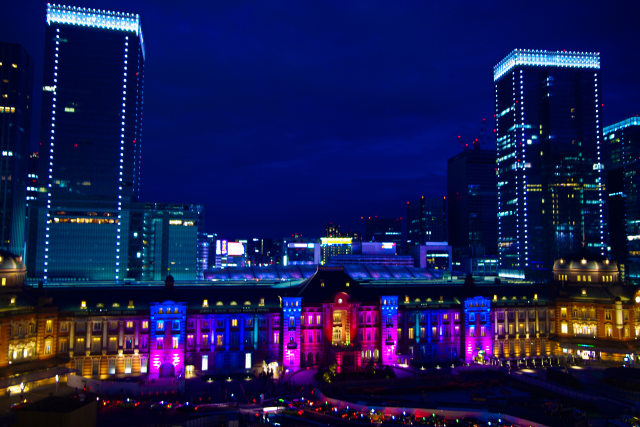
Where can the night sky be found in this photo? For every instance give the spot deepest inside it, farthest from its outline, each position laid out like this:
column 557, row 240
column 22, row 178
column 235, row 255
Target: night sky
column 282, row 116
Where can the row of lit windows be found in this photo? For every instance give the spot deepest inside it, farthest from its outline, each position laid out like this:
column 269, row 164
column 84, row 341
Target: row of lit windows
column 97, row 326
column 84, row 220
column 175, row 343
column 175, row 325
column 111, row 342
column 7, row 110
column 95, row 365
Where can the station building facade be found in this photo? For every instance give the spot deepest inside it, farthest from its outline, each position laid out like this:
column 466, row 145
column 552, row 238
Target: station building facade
column 173, row 331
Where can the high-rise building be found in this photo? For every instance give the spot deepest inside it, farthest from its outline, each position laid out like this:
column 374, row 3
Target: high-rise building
column 472, row 202
column 16, row 84
column 623, row 182
column 206, row 253
column 383, row 229
column 91, row 136
column 163, row 241
column 331, row 246
column 332, row 230
column 426, row 220
column 264, row 251
column 549, row 159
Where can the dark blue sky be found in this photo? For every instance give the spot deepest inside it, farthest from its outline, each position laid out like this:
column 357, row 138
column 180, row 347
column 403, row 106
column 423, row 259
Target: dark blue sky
column 282, row 116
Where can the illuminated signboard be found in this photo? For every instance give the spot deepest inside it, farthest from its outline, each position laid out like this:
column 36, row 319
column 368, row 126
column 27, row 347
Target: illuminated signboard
column 301, row 245
column 336, row 240
column 235, row 249
column 221, row 247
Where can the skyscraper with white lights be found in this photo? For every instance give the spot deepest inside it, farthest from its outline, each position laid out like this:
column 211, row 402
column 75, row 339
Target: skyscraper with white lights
column 549, row 159
column 91, row 142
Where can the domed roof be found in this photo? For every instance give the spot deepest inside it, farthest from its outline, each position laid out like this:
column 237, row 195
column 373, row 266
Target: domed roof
column 585, row 264
column 9, row 261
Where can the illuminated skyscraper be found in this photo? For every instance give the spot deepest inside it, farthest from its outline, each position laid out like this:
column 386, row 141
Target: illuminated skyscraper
column 16, row 76
column 382, row 229
column 549, row 158
column 426, row 220
column 623, row 181
column 91, row 135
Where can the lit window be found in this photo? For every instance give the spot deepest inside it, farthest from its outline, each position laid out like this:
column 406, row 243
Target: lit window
column 129, row 324
column 205, row 303
column 159, row 343
column 145, row 324
column 219, row 340
column 410, row 333
column 83, row 305
column 49, row 325
column 564, row 328
column 175, row 341
column 4, row 281
column 160, row 325
column 234, row 323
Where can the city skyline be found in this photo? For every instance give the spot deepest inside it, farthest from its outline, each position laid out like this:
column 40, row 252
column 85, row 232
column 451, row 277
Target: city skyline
column 343, row 120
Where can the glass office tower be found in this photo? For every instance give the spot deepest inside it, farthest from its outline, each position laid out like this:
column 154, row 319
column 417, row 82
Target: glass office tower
column 426, row 220
column 91, row 136
column 549, row 159
column 164, row 241
column 622, row 140
column 472, row 202
column 16, row 81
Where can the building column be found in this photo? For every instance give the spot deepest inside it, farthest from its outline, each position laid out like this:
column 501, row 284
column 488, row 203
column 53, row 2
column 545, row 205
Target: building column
column 227, row 332
column 121, row 334
column 137, row 333
column 72, row 337
column 87, row 340
column 105, row 327
column 255, row 331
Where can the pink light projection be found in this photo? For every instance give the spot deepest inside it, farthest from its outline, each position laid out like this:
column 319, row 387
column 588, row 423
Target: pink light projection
column 159, row 357
column 389, row 306
column 477, row 323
